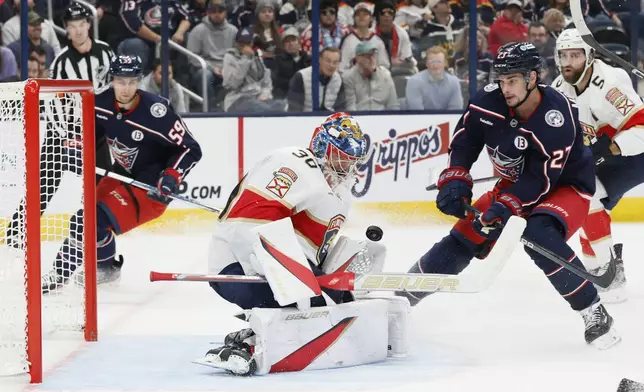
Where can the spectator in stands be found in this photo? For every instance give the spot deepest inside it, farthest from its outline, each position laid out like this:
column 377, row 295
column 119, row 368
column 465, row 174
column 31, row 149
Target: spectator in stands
column 368, row 85
column 331, row 30
column 267, row 32
column 287, row 63
column 34, row 33
column 8, row 64
column 545, row 44
column 196, row 10
column 11, row 29
column 144, row 20
column 508, row 27
column 461, row 58
column 152, row 84
column 111, row 25
column 442, row 29
column 434, row 88
column 211, row 39
column 33, row 68
column 243, row 14
column 295, row 13
column 555, row 21
column 331, row 89
column 412, row 15
column 345, row 12
column 396, row 39
column 246, row 78
column 360, row 32
column 562, row 5
column 39, row 53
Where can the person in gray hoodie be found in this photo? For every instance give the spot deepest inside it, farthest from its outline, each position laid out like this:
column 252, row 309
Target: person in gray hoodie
column 246, row 78
column 211, row 39
column 152, row 84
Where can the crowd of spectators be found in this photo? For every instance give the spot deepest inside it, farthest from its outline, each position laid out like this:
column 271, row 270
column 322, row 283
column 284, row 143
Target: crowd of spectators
column 381, row 55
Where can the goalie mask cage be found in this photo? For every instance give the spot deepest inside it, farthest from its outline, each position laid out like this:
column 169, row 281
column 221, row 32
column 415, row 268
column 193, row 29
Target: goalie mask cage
column 47, row 175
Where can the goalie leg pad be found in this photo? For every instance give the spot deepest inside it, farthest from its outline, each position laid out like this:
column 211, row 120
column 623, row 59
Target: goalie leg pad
column 328, row 337
column 399, row 316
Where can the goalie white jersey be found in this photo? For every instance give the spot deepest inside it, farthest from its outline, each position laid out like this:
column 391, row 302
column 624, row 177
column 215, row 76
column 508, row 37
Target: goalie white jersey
column 609, row 105
column 288, row 183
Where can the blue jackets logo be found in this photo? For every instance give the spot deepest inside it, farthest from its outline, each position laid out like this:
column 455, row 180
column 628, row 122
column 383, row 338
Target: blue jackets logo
column 123, row 155
column 399, row 152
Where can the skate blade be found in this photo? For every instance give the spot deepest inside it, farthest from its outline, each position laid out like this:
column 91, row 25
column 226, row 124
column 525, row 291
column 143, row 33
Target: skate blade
column 234, row 364
column 608, row 340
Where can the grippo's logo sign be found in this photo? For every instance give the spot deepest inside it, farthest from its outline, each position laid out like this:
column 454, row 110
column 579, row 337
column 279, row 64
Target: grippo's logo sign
column 399, row 152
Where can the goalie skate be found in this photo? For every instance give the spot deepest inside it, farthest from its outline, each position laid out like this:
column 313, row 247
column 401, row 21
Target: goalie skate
column 235, row 356
column 599, row 330
column 616, row 292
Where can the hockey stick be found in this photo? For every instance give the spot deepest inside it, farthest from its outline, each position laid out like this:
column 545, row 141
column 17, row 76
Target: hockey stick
column 144, row 186
column 430, row 283
column 433, row 187
column 587, row 36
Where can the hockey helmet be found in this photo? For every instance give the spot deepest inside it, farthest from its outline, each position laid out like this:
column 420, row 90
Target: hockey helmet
column 76, row 12
column 339, row 145
column 128, row 66
column 521, row 57
column 571, row 39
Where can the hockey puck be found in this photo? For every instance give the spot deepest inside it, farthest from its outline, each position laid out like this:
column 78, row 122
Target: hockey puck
column 374, row 233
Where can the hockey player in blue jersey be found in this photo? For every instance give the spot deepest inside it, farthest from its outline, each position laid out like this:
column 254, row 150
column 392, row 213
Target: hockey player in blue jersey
column 532, row 135
column 149, row 143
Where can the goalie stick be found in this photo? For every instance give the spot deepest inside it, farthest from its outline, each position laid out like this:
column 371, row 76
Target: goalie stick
column 587, row 36
column 466, row 283
column 144, row 186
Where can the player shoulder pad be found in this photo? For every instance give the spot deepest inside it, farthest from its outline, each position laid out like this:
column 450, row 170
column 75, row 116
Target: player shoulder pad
column 489, row 97
column 158, row 106
column 608, row 77
column 560, row 110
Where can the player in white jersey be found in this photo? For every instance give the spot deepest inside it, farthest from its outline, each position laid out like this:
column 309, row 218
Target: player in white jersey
column 611, row 114
column 282, row 222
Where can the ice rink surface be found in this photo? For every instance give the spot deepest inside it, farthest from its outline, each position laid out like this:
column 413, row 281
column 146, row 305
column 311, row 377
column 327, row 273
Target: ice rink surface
column 519, row 335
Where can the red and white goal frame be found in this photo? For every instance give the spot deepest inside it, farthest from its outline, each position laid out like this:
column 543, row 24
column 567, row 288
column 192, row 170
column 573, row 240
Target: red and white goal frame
column 27, row 110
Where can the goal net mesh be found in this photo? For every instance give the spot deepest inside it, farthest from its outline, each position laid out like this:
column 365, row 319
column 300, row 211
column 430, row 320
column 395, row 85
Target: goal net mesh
column 61, row 196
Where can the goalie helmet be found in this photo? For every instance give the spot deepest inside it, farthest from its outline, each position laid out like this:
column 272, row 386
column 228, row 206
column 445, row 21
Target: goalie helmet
column 339, row 145
column 571, row 39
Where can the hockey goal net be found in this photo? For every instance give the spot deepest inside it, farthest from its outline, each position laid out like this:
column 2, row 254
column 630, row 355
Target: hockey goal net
column 46, row 177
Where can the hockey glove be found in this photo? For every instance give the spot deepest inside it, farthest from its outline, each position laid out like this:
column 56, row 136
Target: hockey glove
column 454, row 191
column 601, row 150
column 167, row 184
column 490, row 224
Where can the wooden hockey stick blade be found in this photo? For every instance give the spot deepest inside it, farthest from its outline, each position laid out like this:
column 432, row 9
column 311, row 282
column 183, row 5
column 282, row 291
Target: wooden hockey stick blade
column 433, row 187
column 144, row 186
column 627, row 385
column 587, row 36
column 603, row 280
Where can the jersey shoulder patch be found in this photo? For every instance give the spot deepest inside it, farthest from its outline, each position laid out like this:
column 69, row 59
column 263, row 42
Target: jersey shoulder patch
column 490, row 87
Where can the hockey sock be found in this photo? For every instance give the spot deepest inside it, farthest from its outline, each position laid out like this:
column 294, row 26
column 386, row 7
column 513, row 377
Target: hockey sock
column 597, row 231
column 546, row 231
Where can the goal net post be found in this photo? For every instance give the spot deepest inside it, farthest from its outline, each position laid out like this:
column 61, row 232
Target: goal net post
column 47, row 180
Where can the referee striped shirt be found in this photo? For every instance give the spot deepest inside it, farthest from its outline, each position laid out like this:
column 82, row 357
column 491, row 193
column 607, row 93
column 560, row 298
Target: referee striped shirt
column 93, row 65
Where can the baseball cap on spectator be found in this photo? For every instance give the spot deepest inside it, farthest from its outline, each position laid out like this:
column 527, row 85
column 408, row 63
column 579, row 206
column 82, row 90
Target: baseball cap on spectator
column 365, row 47
column 244, row 35
column 217, row 5
column 385, row 5
column 363, row 6
column 433, row 3
column 264, row 4
column 290, row 32
column 34, row 19
column 517, row 3
column 325, row 4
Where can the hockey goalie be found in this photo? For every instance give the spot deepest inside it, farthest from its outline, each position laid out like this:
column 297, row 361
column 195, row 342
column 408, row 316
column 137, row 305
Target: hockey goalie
column 611, row 114
column 281, row 222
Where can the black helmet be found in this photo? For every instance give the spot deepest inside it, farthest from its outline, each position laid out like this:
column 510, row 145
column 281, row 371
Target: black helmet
column 124, row 65
column 515, row 57
column 76, row 12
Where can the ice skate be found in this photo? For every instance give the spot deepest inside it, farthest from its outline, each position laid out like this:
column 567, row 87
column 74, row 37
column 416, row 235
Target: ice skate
column 52, row 281
column 599, row 327
column 106, row 272
column 616, row 292
column 235, row 356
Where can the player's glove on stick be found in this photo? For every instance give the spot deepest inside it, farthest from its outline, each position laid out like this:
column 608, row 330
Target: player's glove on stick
column 601, row 150
column 167, row 184
column 490, row 224
column 454, row 191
